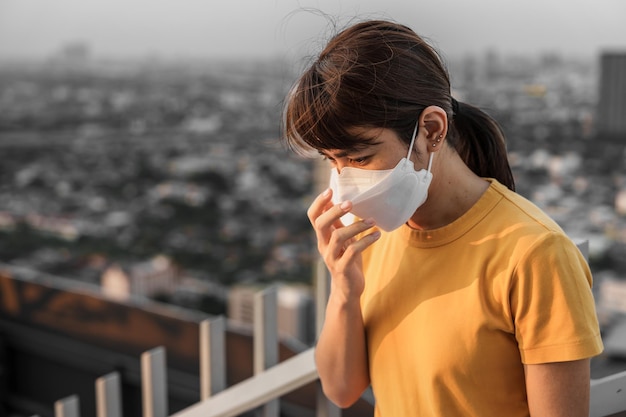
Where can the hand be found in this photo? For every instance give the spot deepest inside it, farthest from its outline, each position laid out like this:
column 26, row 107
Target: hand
column 338, row 244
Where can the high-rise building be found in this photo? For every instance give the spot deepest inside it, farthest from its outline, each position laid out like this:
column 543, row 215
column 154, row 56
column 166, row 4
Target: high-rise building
column 295, row 309
column 611, row 111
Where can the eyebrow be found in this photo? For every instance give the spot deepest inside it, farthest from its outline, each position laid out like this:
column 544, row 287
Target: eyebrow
column 341, row 154
column 347, row 152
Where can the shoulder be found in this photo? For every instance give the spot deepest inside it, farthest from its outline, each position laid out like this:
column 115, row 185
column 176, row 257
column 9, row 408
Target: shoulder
column 524, row 228
column 518, row 210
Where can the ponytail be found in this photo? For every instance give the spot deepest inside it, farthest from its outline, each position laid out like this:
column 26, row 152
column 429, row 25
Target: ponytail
column 479, row 140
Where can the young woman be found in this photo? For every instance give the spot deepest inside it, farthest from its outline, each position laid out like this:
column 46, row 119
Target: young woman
column 451, row 294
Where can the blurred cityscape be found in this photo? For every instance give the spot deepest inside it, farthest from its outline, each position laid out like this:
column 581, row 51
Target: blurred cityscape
column 129, row 166
column 167, row 181
column 118, row 163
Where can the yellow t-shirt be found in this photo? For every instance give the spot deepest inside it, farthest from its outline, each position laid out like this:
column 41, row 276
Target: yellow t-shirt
column 452, row 314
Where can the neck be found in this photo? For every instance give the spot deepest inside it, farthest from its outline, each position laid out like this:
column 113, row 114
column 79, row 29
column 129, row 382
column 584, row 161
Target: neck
column 453, row 191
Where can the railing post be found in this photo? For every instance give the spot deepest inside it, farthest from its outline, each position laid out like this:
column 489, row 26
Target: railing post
column 325, row 408
column 322, row 290
column 212, row 357
column 583, row 246
column 154, row 383
column 67, row 407
column 109, row 396
column 265, row 340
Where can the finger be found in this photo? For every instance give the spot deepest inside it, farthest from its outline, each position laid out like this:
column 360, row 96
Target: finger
column 321, row 221
column 330, row 220
column 321, row 203
column 342, row 238
column 355, row 248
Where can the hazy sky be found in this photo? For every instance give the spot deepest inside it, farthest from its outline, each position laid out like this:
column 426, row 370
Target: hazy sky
column 212, row 28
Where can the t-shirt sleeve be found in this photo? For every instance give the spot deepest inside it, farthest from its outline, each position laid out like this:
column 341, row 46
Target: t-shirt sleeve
column 552, row 303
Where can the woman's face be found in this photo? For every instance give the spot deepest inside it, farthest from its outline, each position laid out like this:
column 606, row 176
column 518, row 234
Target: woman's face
column 385, row 151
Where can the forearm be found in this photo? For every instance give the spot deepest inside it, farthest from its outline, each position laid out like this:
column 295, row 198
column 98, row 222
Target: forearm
column 341, row 354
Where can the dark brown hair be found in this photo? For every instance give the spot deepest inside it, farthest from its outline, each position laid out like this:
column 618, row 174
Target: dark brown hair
column 380, row 74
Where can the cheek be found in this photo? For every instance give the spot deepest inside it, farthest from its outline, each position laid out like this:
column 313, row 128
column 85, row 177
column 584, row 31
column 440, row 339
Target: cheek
column 389, row 158
column 384, row 163
column 420, row 155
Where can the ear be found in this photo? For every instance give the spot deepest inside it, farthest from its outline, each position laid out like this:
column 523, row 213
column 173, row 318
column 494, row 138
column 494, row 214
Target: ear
column 435, row 122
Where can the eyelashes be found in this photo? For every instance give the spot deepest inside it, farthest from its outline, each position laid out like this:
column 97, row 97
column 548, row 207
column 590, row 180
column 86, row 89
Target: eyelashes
column 362, row 160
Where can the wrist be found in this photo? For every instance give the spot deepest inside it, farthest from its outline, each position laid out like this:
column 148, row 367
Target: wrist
column 344, row 299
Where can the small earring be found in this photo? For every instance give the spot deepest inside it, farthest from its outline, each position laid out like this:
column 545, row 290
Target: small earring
column 434, row 144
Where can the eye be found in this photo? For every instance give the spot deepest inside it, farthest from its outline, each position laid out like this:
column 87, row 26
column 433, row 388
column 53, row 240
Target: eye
column 328, row 159
column 361, row 160
column 325, row 157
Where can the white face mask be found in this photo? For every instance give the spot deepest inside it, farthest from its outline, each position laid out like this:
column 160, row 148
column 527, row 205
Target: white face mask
column 389, row 196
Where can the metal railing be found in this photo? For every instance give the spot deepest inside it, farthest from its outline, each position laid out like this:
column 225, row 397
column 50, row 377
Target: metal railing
column 271, row 379
column 260, row 392
column 608, row 395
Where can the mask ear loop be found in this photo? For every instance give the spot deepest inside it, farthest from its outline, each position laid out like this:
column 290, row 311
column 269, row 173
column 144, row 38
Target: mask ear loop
column 408, row 156
column 430, row 160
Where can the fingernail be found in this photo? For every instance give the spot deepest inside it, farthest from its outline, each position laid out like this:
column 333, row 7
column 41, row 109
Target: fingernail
column 376, row 234
column 369, row 222
column 326, row 192
column 345, row 205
